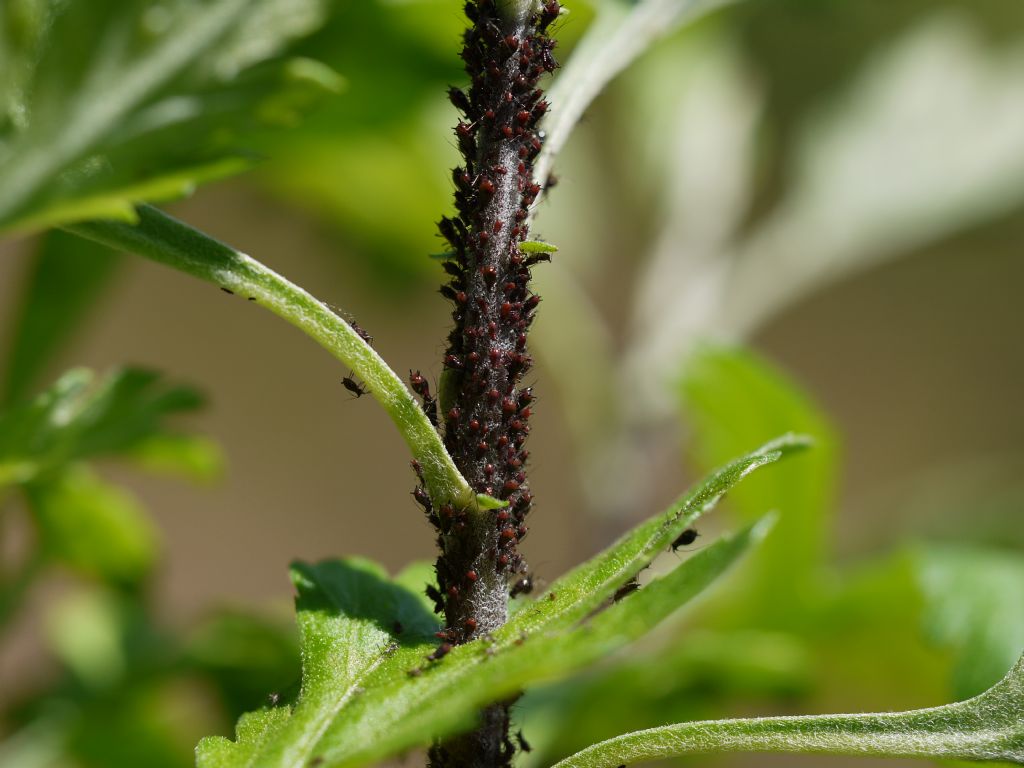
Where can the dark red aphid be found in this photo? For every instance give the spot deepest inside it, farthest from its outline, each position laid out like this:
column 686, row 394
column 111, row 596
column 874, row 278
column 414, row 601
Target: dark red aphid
column 422, row 498
column 419, row 383
column 440, row 652
column 361, row 332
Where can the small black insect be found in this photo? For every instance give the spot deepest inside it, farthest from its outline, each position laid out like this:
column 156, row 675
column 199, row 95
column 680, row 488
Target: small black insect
column 523, row 743
column 523, row 586
column 435, row 595
column 227, row 290
column 397, row 627
column 354, row 387
column 685, row 539
column 628, row 588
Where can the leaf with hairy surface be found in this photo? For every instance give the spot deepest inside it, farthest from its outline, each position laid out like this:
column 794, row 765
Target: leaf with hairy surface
column 114, row 102
column 362, row 704
column 989, row 727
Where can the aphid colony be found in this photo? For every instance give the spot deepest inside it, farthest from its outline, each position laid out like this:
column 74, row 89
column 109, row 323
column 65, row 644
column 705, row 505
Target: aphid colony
column 485, row 413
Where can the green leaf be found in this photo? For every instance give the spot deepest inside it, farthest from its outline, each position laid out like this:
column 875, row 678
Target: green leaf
column 974, row 603
column 685, row 678
column 989, row 727
column 732, row 399
column 586, row 587
column 346, row 613
column 244, row 657
column 80, row 417
column 360, row 704
column 66, row 276
column 483, row 501
column 197, row 458
column 85, row 631
column 111, row 103
column 618, row 36
column 169, row 241
column 93, row 527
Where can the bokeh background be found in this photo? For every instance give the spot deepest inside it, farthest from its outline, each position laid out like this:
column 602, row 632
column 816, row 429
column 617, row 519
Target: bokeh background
column 794, row 215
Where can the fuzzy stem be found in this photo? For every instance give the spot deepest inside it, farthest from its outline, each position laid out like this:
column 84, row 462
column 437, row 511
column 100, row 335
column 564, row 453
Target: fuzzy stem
column 162, row 238
column 486, row 411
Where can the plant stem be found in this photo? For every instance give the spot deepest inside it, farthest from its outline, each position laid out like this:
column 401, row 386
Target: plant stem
column 162, row 238
column 485, row 410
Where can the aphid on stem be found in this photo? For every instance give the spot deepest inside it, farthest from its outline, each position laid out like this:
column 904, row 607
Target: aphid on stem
column 354, row 387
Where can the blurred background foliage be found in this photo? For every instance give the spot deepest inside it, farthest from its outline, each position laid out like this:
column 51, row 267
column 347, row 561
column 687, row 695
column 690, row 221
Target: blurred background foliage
column 799, row 215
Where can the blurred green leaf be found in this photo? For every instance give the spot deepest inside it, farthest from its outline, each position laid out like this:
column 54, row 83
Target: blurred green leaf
column 732, row 398
column 93, row 527
column 194, row 457
column 685, row 680
column 988, row 728
column 85, row 632
column 366, row 692
column 114, row 102
column 245, row 658
column 836, row 41
column 875, row 603
column 65, row 278
column 82, row 417
column 974, row 603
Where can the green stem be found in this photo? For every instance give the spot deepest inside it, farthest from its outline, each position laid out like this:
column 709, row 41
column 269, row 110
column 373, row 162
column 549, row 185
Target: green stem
column 162, row 238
